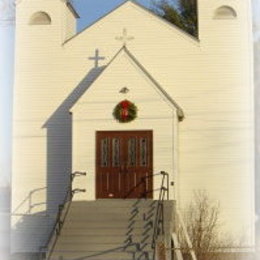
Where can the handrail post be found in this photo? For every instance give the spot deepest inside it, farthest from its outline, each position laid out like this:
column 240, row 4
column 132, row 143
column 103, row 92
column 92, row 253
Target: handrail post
column 70, row 191
column 176, row 250
column 159, row 227
column 168, row 187
column 162, row 212
column 186, row 235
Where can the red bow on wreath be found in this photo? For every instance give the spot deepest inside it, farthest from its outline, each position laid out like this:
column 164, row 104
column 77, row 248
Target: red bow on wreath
column 124, row 109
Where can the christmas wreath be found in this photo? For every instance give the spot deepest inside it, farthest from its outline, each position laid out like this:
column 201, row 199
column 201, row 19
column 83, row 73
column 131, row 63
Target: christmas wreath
column 125, row 111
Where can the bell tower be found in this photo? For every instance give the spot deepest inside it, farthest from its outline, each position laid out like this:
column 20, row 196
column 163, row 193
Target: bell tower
column 42, row 26
column 225, row 35
column 57, row 18
column 224, row 22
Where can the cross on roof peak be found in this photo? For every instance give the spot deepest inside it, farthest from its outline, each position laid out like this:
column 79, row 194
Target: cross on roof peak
column 124, row 38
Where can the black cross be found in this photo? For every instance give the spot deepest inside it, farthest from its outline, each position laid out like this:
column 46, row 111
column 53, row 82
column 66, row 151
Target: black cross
column 96, row 58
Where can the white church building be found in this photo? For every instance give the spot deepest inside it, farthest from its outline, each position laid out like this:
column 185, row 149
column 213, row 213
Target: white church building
column 131, row 100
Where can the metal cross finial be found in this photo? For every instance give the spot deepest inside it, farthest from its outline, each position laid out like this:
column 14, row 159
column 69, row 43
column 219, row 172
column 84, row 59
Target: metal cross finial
column 124, row 38
column 96, row 58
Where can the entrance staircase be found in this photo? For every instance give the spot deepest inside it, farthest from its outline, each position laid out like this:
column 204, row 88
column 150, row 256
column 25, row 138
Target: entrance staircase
column 110, row 230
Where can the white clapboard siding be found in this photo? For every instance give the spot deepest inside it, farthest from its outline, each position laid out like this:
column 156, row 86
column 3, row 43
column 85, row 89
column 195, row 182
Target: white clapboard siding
column 210, row 78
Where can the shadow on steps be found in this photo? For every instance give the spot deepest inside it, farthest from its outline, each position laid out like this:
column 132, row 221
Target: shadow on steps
column 109, row 230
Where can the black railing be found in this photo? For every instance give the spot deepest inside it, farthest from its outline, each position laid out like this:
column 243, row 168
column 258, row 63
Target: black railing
column 159, row 216
column 63, row 208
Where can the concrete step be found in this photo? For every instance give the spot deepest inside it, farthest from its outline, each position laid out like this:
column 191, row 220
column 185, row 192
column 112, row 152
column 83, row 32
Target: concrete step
column 120, row 252
column 92, row 255
column 113, row 221
column 110, row 224
column 114, row 218
column 92, row 231
column 95, row 212
column 100, row 247
column 111, row 205
column 85, row 239
column 115, row 215
column 102, row 231
column 115, row 202
column 104, row 247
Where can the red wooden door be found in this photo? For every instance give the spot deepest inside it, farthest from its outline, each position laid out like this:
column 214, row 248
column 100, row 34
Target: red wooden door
column 124, row 164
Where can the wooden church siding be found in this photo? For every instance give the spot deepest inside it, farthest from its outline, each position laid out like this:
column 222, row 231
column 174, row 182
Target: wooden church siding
column 217, row 137
column 210, row 78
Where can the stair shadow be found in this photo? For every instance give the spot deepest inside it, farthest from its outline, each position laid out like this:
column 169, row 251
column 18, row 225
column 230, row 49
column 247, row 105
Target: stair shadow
column 141, row 185
column 136, row 237
column 126, row 245
column 142, row 241
column 101, row 253
column 137, row 243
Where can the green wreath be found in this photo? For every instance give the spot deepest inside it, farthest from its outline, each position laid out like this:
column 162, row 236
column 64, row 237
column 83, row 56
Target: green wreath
column 125, row 111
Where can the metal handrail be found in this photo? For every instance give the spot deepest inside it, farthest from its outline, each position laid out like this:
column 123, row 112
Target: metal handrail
column 186, row 235
column 159, row 217
column 61, row 215
column 176, row 247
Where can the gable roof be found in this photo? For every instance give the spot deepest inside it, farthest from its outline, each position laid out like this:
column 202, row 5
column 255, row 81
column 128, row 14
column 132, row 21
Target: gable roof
column 158, row 87
column 147, row 12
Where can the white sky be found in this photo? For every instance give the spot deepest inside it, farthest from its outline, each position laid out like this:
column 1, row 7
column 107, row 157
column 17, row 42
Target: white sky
column 6, row 84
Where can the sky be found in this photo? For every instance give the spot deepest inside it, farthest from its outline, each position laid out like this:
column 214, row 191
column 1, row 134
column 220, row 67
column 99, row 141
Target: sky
column 89, row 11
column 6, row 82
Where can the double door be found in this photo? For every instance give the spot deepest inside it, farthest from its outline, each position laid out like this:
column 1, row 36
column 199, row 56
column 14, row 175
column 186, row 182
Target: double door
column 124, row 164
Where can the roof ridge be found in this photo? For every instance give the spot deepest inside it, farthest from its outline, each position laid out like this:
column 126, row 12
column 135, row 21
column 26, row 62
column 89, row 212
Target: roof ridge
column 194, row 39
column 180, row 110
column 96, row 21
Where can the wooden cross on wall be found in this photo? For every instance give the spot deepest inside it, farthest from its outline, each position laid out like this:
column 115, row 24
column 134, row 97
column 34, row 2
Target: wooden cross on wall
column 124, row 38
column 97, row 58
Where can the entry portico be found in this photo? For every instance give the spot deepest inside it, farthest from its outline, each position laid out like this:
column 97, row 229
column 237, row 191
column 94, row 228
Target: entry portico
column 157, row 114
